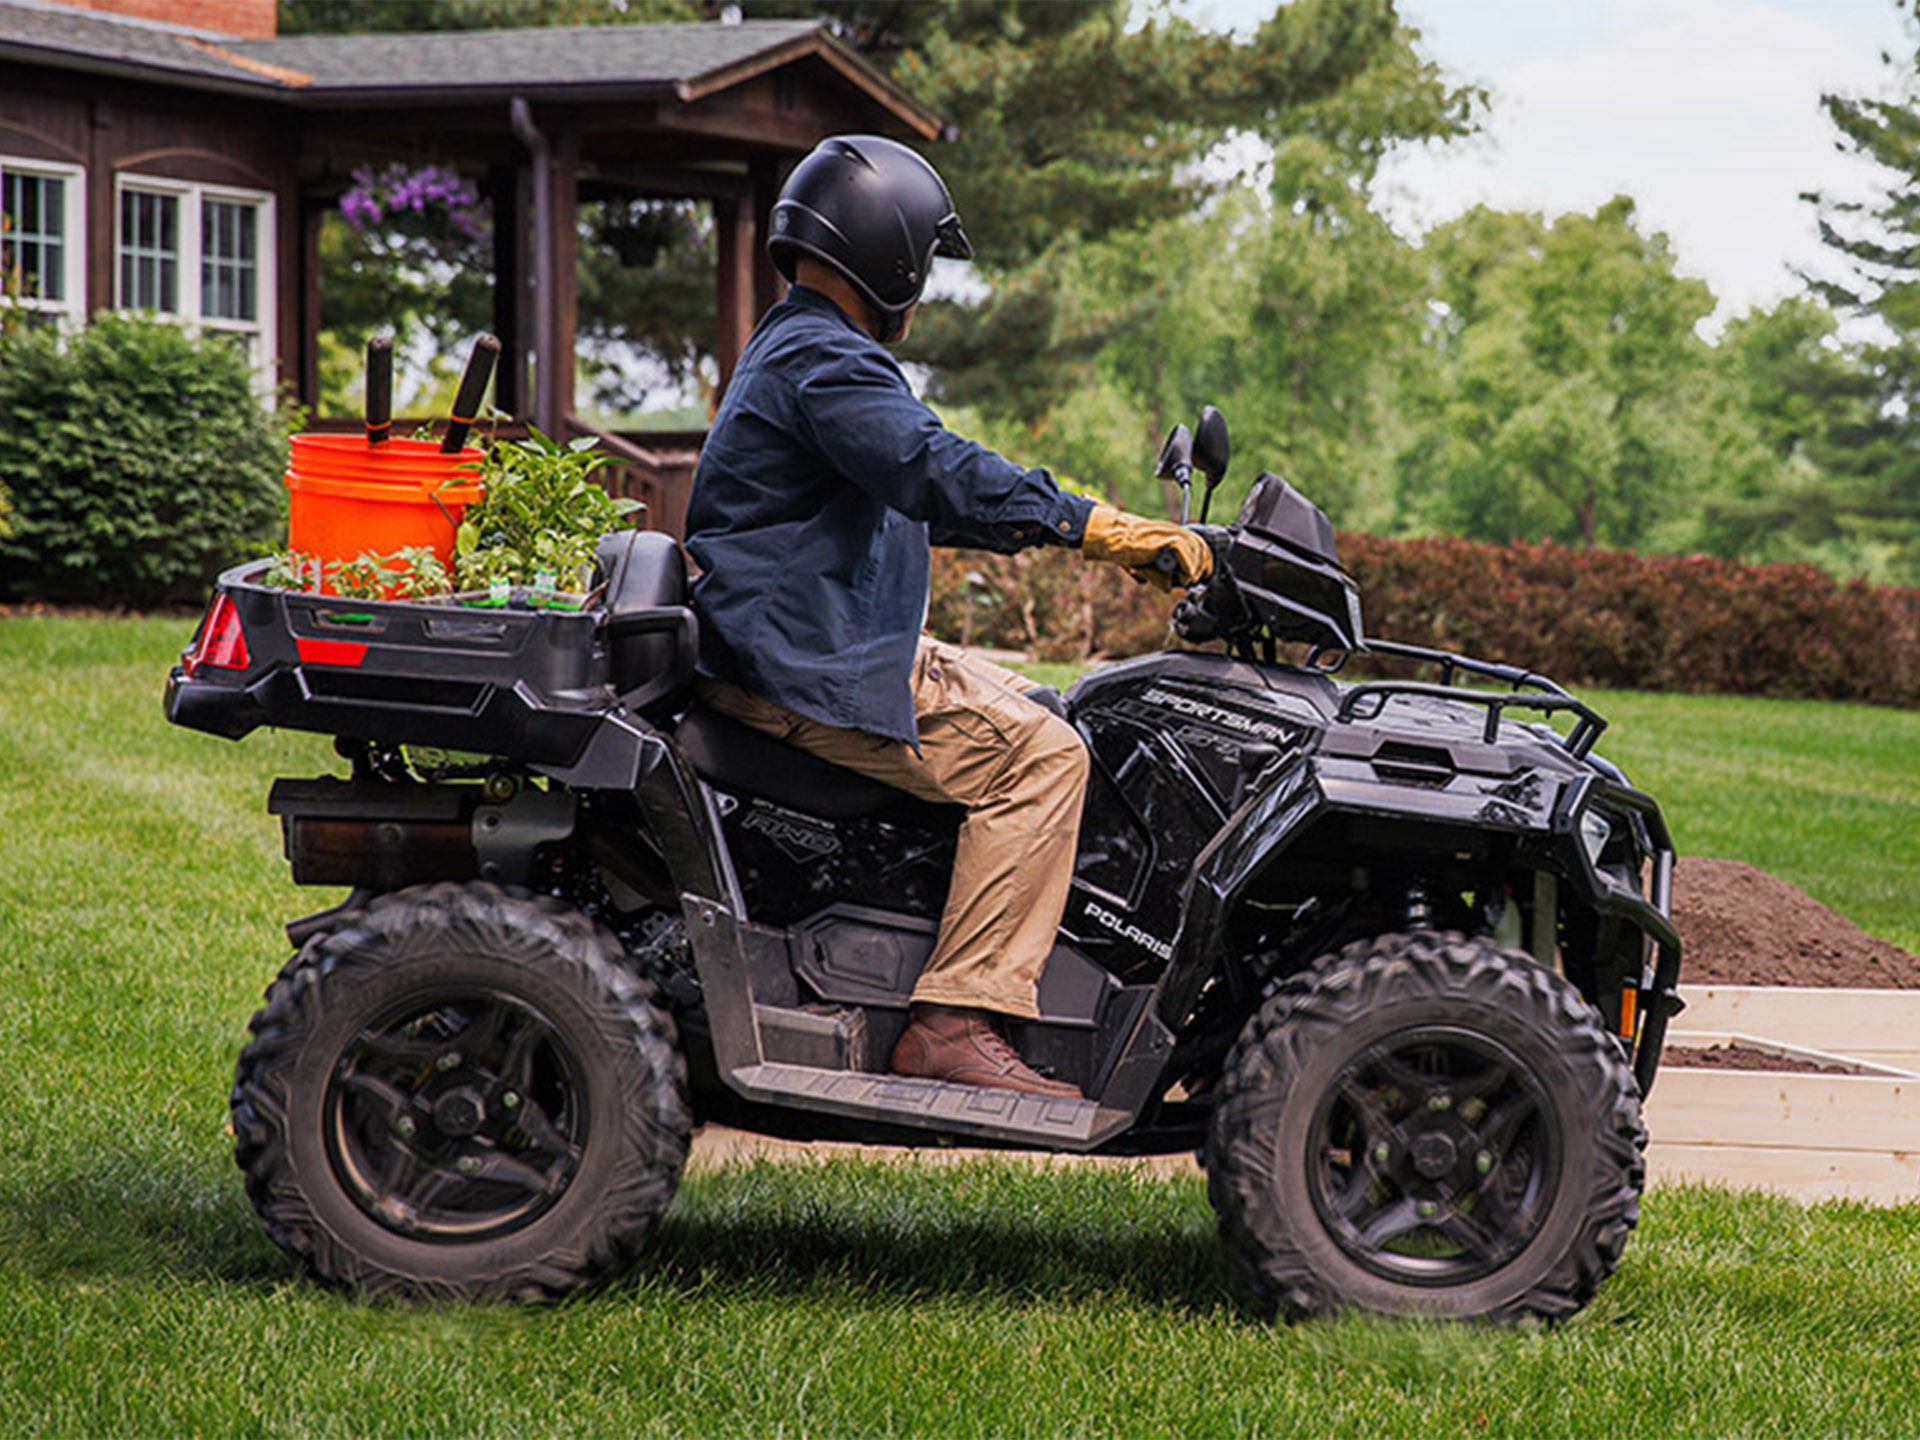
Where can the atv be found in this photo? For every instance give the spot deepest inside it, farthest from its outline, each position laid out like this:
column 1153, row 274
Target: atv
column 1393, row 955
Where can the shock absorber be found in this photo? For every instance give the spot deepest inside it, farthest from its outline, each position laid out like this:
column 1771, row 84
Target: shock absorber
column 1419, row 911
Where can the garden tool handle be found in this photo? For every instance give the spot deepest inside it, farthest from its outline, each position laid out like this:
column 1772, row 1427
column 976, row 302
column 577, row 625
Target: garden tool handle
column 473, row 385
column 379, row 389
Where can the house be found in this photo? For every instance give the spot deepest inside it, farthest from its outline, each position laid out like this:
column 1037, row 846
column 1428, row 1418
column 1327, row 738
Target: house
column 178, row 156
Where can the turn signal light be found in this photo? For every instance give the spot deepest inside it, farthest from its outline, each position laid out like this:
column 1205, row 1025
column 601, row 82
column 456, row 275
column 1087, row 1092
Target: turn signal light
column 221, row 643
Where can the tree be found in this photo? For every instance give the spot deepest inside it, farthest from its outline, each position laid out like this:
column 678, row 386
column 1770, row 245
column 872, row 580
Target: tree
column 360, row 17
column 1074, row 128
column 1876, row 459
column 1083, row 148
column 1572, row 397
column 1805, row 395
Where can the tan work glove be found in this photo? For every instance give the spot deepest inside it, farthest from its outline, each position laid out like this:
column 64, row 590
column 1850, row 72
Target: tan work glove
column 1137, row 543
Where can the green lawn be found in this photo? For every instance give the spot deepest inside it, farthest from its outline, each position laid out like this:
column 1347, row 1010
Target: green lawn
column 1826, row 796
column 141, row 890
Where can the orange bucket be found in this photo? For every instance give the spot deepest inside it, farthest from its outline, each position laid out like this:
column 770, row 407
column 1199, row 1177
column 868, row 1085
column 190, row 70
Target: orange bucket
column 346, row 498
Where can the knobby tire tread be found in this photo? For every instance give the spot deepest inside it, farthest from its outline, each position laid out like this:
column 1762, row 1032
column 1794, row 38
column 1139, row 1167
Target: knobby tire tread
column 537, row 930
column 1310, row 1011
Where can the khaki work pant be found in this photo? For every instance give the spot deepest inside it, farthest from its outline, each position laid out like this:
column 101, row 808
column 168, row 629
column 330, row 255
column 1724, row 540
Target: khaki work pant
column 1021, row 773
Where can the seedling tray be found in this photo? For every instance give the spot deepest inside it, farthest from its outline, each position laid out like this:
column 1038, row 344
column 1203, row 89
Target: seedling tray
column 515, row 679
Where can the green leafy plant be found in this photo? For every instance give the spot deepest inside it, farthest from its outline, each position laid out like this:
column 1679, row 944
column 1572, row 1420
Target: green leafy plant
column 539, row 519
column 416, row 573
column 289, row 570
column 365, row 577
column 413, row 572
column 140, row 462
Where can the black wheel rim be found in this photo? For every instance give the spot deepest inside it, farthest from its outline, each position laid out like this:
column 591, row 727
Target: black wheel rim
column 1434, row 1157
column 457, row 1117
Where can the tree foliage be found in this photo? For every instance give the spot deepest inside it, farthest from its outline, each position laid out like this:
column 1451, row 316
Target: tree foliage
column 1874, row 456
column 1167, row 216
column 1571, row 399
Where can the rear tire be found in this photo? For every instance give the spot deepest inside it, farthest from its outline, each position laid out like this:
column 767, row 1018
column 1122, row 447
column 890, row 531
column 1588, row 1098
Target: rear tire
column 459, row 1093
column 1427, row 1124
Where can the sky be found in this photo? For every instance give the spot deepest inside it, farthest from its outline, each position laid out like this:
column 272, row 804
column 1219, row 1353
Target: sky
column 1706, row 112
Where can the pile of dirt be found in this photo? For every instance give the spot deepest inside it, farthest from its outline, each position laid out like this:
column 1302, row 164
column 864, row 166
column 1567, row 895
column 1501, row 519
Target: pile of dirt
column 1742, row 926
column 1745, row 1057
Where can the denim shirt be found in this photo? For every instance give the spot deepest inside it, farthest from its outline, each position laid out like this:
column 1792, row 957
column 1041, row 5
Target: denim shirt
column 820, row 488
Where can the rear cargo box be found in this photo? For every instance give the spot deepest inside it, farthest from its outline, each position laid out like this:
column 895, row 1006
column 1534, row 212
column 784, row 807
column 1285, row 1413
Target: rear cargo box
column 518, row 681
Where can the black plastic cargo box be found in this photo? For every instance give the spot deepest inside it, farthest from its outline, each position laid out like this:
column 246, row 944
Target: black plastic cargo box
column 517, row 679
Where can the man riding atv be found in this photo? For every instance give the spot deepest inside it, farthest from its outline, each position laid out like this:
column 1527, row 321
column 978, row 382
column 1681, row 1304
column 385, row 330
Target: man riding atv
column 821, row 487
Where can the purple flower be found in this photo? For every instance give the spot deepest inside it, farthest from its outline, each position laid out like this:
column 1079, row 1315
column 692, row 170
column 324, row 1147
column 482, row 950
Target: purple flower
column 433, row 192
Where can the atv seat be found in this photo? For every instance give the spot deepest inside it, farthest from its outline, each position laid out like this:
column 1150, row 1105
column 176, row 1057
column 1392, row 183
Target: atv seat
column 741, row 760
column 652, row 636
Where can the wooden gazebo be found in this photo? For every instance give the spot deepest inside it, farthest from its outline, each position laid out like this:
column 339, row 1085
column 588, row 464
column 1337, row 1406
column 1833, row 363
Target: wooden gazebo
column 103, row 105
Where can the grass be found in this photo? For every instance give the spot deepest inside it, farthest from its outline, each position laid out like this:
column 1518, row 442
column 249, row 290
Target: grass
column 141, row 891
column 1825, row 796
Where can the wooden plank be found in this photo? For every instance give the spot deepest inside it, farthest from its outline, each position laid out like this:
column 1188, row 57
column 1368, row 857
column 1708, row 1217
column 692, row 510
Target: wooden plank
column 560, row 291
column 1863, row 1023
column 1815, row 1112
column 1879, row 1177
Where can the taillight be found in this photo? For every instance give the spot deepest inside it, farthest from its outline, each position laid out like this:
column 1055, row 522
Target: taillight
column 221, row 643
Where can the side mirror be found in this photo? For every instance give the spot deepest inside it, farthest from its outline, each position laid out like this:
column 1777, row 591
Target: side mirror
column 1176, row 464
column 1176, row 456
column 1211, row 452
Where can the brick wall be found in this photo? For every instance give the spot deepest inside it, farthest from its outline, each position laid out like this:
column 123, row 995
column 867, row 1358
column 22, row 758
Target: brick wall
column 246, row 19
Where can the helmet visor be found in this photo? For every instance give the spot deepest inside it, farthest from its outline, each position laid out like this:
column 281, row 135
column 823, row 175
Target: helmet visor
column 950, row 240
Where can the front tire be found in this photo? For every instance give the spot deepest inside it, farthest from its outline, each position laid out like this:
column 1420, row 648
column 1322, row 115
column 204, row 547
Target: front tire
column 1427, row 1124
column 459, row 1093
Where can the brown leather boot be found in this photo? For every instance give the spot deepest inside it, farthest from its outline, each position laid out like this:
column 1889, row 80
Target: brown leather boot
column 965, row 1047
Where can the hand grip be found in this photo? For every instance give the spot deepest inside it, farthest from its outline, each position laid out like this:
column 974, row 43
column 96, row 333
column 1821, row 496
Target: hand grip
column 379, row 389
column 473, row 385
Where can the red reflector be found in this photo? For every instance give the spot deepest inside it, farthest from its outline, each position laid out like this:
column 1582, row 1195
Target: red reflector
column 221, row 643
column 331, row 652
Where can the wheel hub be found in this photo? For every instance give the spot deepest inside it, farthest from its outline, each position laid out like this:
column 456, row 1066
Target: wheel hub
column 460, row 1112
column 456, row 1116
column 1434, row 1154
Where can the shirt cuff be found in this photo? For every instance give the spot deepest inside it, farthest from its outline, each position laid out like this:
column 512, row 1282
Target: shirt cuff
column 1067, row 525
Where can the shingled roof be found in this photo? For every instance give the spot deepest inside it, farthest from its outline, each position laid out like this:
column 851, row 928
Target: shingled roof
column 111, row 45
column 599, row 61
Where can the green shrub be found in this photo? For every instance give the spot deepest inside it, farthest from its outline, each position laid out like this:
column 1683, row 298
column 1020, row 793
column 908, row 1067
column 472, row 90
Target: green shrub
column 141, row 463
column 1678, row 623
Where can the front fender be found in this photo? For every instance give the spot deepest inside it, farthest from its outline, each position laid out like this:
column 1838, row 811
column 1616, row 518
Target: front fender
column 1537, row 809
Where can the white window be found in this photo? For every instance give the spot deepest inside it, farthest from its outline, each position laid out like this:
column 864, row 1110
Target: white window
column 202, row 253
column 43, row 251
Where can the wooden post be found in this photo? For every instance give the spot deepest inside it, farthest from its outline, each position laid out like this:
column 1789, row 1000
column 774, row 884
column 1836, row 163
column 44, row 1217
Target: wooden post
column 734, row 228
column 560, row 290
column 313, row 212
column 507, row 188
column 768, row 287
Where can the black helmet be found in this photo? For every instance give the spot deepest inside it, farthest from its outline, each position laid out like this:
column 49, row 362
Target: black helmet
column 873, row 210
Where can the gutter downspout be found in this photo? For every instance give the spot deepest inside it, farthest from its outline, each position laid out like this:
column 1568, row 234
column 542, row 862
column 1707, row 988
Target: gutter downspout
column 520, row 114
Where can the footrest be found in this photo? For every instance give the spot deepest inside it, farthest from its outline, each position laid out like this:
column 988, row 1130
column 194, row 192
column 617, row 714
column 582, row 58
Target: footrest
column 1004, row 1115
